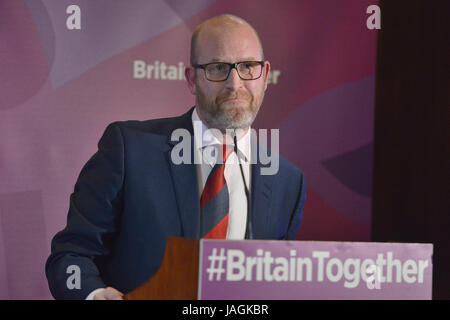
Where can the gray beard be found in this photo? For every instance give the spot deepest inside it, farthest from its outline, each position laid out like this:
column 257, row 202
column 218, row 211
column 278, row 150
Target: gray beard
column 222, row 120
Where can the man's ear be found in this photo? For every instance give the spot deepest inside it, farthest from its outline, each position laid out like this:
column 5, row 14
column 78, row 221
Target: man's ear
column 189, row 73
column 266, row 74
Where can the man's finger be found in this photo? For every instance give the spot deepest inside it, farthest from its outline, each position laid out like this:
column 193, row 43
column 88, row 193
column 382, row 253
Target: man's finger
column 100, row 296
column 113, row 294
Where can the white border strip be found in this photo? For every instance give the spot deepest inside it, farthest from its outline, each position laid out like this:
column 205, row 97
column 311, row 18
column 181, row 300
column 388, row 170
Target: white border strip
column 200, row 271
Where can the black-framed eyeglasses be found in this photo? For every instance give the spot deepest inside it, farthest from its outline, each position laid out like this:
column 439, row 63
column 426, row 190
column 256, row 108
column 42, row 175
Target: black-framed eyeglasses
column 219, row 71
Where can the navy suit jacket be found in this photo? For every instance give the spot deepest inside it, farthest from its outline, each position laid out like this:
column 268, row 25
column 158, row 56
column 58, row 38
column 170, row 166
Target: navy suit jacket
column 130, row 196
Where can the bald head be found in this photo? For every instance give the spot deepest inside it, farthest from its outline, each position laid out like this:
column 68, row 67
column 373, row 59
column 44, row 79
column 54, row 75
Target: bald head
column 217, row 26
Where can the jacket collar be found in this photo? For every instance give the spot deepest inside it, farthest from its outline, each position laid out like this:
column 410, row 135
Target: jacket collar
column 185, row 182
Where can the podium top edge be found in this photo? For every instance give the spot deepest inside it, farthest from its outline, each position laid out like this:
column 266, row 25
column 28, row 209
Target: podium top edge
column 322, row 241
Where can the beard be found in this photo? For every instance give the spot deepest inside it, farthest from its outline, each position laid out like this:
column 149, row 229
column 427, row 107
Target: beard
column 221, row 114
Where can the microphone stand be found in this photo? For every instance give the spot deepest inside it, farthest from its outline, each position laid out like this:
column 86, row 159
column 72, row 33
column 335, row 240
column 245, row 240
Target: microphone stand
column 248, row 228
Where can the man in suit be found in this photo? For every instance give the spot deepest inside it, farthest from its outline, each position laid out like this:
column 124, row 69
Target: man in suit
column 133, row 193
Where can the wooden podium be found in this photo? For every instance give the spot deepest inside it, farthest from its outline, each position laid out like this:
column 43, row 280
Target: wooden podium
column 177, row 278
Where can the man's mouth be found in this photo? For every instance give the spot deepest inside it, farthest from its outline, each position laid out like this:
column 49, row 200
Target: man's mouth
column 234, row 99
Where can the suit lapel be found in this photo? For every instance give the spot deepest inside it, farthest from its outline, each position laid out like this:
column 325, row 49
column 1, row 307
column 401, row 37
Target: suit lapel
column 261, row 195
column 185, row 182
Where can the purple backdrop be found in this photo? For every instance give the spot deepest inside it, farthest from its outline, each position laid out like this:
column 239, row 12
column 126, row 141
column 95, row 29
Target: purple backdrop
column 60, row 88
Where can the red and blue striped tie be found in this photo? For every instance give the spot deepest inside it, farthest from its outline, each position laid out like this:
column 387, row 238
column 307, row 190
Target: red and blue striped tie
column 214, row 201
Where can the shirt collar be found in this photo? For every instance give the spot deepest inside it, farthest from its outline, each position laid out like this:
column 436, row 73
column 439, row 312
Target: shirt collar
column 204, row 138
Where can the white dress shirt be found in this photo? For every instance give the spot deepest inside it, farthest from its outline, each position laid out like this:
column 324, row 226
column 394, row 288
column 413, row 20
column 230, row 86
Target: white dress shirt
column 203, row 142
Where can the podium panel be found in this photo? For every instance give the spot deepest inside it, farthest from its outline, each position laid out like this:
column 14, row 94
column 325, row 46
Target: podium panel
column 290, row 270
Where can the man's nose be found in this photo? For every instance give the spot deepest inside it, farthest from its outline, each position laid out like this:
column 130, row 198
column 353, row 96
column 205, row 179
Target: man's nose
column 233, row 81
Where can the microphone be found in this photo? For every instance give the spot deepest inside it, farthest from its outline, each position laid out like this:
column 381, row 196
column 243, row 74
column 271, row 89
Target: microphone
column 248, row 228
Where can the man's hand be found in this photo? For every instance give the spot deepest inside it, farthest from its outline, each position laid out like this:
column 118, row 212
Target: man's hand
column 108, row 293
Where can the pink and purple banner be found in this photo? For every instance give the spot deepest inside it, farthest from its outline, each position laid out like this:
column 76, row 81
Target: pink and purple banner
column 60, row 87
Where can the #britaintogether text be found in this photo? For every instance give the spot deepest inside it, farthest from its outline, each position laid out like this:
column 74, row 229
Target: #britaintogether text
column 235, row 266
